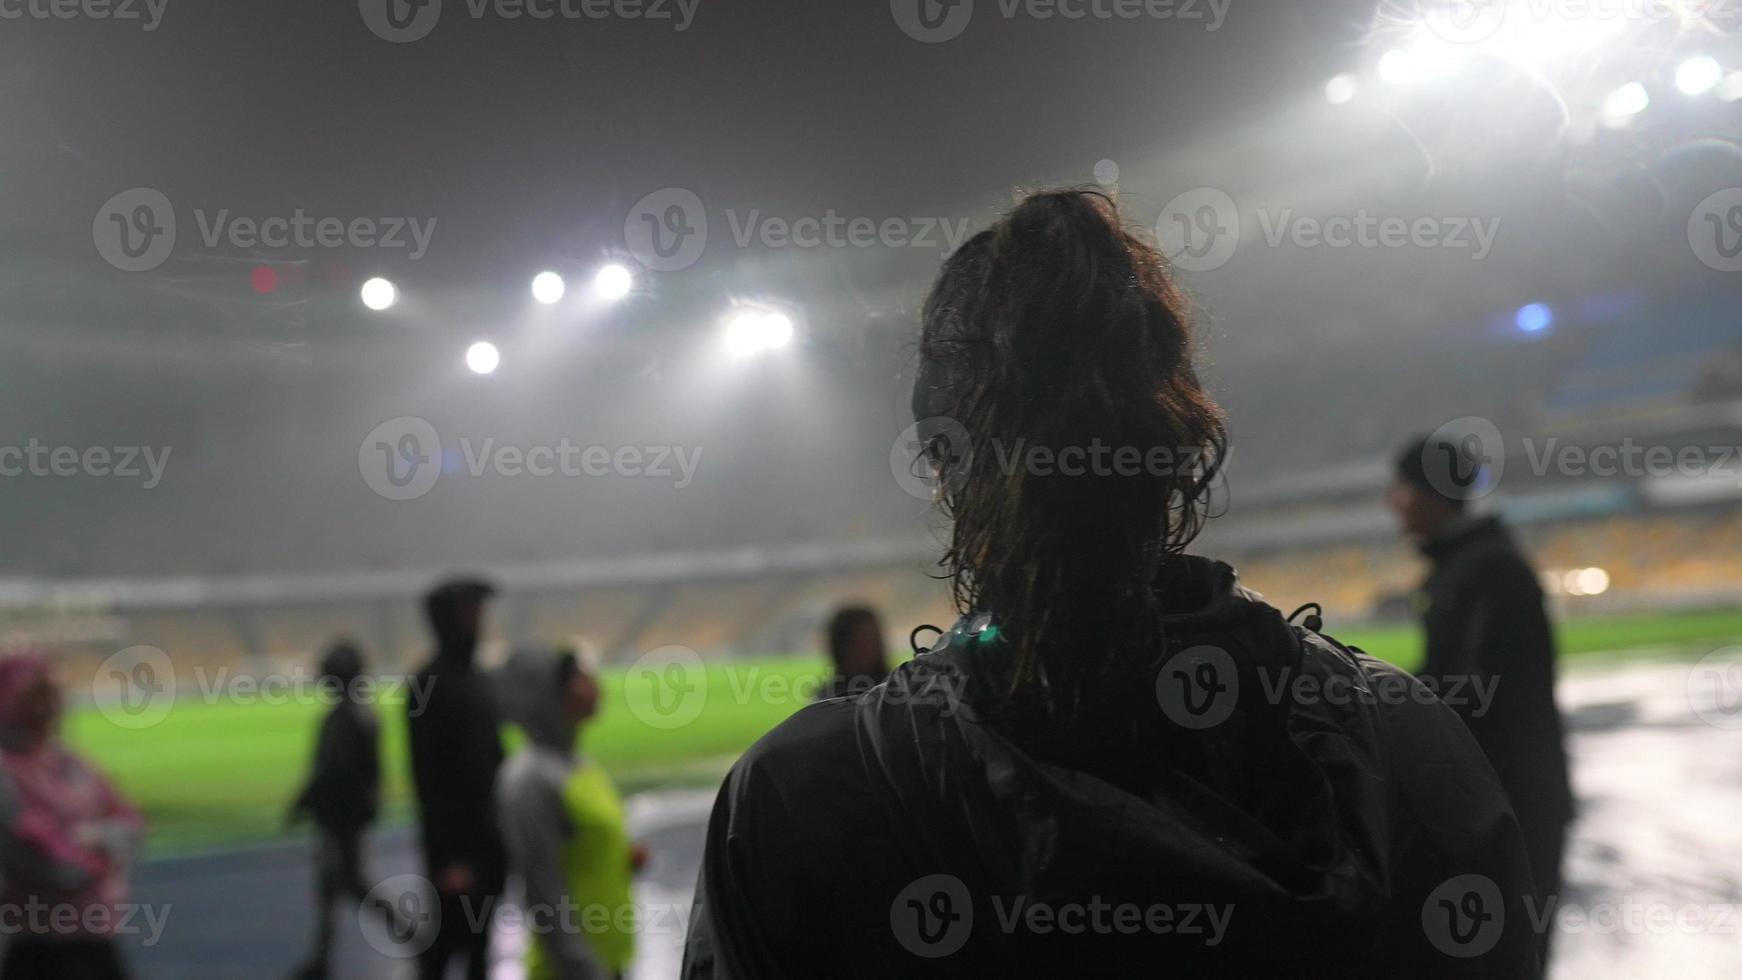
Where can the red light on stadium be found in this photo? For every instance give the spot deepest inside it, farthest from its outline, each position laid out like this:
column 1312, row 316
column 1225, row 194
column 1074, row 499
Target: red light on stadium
column 264, row 279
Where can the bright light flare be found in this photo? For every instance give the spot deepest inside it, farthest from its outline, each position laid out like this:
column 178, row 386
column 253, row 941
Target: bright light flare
column 1624, row 103
column 379, row 294
column 1340, row 89
column 1534, row 317
column 483, row 357
column 753, row 330
column 548, row 287
column 613, row 282
column 1586, row 581
column 1697, row 76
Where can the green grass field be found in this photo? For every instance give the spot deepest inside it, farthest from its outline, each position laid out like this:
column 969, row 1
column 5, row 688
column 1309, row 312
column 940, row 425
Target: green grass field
column 216, row 774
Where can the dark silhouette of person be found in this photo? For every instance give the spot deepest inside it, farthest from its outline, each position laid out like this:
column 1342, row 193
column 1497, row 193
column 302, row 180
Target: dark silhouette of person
column 1118, row 762
column 1490, row 646
column 455, row 752
column 854, row 635
column 341, row 796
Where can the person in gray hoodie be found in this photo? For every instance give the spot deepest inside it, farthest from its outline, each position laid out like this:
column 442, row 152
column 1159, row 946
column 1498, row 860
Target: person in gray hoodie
column 562, row 821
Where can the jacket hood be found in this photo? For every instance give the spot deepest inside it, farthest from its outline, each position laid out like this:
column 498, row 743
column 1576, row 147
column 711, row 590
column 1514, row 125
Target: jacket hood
column 532, row 697
column 1272, row 806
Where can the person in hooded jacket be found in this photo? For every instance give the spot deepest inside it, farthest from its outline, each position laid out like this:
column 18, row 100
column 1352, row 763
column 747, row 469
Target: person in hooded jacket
column 563, row 822
column 341, row 796
column 1119, row 762
column 455, row 752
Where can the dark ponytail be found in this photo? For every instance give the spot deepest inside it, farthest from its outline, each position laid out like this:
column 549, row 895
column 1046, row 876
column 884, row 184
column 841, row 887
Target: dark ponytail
column 1073, row 445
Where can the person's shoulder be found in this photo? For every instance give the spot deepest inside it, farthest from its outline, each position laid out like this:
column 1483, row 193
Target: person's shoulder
column 821, row 731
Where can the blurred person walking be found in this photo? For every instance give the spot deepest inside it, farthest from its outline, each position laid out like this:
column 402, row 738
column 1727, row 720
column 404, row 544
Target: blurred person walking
column 342, row 796
column 67, row 839
column 1490, row 645
column 856, row 652
column 455, row 753
column 563, row 821
column 1118, row 760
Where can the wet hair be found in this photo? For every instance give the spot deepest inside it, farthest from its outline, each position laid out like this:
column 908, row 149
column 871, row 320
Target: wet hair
column 841, row 627
column 1056, row 329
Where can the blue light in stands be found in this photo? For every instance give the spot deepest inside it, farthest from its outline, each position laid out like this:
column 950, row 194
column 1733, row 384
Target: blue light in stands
column 1534, row 317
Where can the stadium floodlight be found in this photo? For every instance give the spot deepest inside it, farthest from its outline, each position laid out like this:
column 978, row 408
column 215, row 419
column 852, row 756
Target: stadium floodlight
column 1697, row 76
column 483, row 357
column 613, row 282
column 1534, row 317
column 1399, row 67
column 1585, row 581
column 1624, row 103
column 379, row 294
column 752, row 330
column 1340, row 89
column 548, row 287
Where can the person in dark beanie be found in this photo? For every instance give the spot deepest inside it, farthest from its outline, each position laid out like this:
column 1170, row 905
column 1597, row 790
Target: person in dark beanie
column 856, row 652
column 341, row 796
column 1490, row 646
column 455, row 752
